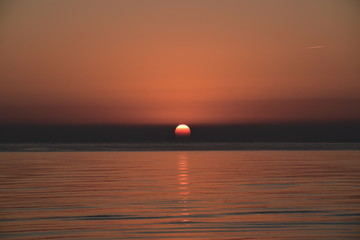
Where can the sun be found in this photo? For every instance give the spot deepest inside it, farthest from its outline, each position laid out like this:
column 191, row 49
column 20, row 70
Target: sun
column 182, row 130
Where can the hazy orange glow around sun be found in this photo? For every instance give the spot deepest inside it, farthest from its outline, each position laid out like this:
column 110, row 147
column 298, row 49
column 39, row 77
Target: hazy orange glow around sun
column 182, row 130
column 162, row 62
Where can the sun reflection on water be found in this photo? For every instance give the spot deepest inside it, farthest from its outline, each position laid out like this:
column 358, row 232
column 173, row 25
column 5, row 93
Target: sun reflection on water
column 183, row 181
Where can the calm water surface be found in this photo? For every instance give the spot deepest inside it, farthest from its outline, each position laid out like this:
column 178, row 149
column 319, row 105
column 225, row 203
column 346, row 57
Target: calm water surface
column 180, row 195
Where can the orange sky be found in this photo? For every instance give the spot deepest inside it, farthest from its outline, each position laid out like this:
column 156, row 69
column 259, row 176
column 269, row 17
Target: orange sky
column 155, row 62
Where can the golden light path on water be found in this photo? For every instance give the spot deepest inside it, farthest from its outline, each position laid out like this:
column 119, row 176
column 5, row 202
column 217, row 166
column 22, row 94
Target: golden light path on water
column 183, row 180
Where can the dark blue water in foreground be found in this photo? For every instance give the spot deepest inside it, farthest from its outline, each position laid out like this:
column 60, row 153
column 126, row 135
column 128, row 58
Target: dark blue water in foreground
column 179, row 194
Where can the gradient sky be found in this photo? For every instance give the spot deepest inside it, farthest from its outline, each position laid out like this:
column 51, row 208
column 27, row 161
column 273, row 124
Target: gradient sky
column 168, row 62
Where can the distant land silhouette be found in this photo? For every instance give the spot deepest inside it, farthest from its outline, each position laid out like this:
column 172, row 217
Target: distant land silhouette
column 330, row 132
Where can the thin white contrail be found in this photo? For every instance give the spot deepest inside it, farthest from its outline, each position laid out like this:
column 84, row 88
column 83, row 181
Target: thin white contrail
column 315, row 47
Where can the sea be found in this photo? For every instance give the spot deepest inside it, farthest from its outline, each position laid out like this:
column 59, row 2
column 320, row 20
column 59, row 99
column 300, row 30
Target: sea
column 225, row 191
